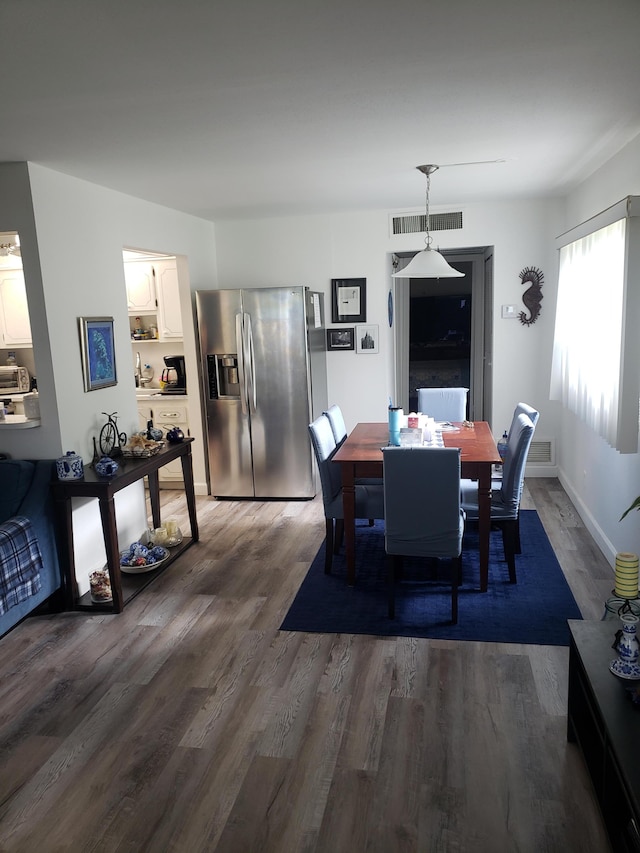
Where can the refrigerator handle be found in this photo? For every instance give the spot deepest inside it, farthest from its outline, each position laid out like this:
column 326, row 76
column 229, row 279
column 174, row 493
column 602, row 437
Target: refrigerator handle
column 251, row 366
column 242, row 373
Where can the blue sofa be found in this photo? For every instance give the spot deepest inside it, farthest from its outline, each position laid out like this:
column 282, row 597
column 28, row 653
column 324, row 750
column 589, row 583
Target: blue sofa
column 25, row 491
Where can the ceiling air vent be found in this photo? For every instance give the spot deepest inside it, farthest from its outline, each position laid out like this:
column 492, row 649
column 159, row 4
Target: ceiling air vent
column 416, row 223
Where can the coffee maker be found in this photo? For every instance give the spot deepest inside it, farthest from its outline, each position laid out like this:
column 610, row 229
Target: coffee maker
column 175, row 375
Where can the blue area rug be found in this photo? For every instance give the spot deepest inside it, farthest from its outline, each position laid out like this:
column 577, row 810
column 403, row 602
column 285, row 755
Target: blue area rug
column 535, row 610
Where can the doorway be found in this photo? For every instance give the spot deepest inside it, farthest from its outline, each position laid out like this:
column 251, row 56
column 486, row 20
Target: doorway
column 444, row 331
column 16, row 339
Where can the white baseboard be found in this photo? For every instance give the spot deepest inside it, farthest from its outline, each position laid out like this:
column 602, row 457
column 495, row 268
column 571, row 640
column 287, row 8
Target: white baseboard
column 541, row 471
column 589, row 521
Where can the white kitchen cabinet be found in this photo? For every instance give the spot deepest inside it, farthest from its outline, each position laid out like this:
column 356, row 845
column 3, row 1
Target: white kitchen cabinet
column 15, row 327
column 141, row 288
column 165, row 414
column 168, row 293
column 153, row 293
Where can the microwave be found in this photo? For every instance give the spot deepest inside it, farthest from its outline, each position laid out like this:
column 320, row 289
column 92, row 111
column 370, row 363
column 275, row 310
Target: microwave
column 14, row 380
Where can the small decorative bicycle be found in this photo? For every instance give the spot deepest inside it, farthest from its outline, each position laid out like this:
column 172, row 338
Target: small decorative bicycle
column 111, row 441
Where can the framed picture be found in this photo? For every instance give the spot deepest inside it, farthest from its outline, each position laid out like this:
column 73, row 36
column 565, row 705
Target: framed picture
column 367, row 338
column 349, row 300
column 340, row 338
column 98, row 352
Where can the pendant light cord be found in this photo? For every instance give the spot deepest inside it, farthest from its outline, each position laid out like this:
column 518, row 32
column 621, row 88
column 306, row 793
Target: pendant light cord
column 428, row 238
column 428, row 171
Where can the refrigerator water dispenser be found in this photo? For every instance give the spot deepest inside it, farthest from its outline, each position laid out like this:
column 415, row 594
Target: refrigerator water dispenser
column 223, row 376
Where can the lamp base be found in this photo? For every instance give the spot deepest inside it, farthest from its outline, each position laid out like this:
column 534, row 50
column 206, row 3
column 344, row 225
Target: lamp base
column 622, row 669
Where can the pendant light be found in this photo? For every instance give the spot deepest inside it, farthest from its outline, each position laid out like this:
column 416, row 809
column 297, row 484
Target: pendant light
column 428, row 263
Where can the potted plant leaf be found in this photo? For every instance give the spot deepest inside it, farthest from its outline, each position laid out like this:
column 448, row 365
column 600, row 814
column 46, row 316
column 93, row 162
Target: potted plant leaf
column 634, row 505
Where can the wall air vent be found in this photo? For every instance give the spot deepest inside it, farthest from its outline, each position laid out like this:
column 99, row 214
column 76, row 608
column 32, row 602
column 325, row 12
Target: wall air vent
column 542, row 452
column 416, row 223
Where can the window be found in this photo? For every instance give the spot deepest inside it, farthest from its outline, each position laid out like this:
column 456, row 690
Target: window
column 595, row 355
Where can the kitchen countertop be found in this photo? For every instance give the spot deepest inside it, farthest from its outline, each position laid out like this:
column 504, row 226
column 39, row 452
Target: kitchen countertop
column 145, row 394
column 19, row 422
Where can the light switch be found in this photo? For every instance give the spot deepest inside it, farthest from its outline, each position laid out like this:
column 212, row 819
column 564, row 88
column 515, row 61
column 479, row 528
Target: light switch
column 509, row 312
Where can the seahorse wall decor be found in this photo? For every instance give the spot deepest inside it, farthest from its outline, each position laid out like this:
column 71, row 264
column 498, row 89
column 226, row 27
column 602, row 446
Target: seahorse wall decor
column 532, row 297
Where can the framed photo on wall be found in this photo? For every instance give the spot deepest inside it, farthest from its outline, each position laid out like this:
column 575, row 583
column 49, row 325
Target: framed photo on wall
column 340, row 339
column 348, row 300
column 98, row 352
column 367, row 339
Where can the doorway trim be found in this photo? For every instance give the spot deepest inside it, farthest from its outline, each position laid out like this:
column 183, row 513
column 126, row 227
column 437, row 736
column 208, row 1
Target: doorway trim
column 481, row 259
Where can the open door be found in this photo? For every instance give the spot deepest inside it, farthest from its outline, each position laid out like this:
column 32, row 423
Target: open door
column 443, row 331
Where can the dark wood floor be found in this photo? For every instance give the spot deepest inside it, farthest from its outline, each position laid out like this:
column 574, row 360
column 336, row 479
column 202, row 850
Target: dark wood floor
column 191, row 723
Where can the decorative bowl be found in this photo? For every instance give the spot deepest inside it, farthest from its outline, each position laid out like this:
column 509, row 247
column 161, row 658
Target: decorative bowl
column 142, row 558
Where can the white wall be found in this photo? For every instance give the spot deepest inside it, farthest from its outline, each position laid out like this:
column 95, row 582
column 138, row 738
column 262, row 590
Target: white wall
column 82, row 229
column 312, row 250
column 72, row 234
column 601, row 481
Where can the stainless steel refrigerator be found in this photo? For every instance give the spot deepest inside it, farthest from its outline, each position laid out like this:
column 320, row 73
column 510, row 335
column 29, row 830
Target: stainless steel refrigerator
column 264, row 373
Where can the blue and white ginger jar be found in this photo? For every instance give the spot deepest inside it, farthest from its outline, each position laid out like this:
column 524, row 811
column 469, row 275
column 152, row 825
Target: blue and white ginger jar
column 106, row 467
column 70, row 466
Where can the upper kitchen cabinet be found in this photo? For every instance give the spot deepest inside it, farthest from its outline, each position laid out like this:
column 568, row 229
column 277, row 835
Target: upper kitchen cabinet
column 141, row 287
column 169, row 316
column 15, row 326
column 152, row 291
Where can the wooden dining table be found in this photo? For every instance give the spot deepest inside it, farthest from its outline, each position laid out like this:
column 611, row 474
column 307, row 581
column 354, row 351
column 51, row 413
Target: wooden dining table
column 360, row 455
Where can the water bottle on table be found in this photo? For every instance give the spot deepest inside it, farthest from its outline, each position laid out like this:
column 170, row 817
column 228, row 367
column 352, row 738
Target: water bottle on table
column 395, row 419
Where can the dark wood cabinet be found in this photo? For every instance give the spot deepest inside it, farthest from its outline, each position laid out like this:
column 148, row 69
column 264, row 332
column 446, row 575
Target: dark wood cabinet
column 606, row 725
column 123, row 587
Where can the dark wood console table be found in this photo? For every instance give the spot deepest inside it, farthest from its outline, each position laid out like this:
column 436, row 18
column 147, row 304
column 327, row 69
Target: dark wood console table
column 606, row 725
column 123, row 586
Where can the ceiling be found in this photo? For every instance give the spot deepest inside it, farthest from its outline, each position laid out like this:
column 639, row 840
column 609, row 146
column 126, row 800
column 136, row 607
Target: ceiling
column 252, row 108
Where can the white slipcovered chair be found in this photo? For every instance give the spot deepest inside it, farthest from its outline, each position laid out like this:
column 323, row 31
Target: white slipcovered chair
column 443, row 404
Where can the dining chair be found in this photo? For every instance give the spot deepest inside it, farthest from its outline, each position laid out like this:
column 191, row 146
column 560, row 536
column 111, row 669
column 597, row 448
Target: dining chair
column 338, row 426
column 524, row 409
column 419, row 521
column 369, row 498
column 496, row 482
column 443, row 404
column 505, row 501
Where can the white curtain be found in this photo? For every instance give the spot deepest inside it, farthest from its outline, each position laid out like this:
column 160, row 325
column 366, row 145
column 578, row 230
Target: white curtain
column 589, row 333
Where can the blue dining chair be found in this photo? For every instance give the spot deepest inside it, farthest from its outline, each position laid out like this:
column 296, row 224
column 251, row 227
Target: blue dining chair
column 533, row 415
column 443, row 404
column 338, row 426
column 505, row 501
column 496, row 482
column 369, row 498
column 523, row 409
column 423, row 521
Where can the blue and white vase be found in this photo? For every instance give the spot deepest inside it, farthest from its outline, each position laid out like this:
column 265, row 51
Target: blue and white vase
column 70, row 466
column 626, row 664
